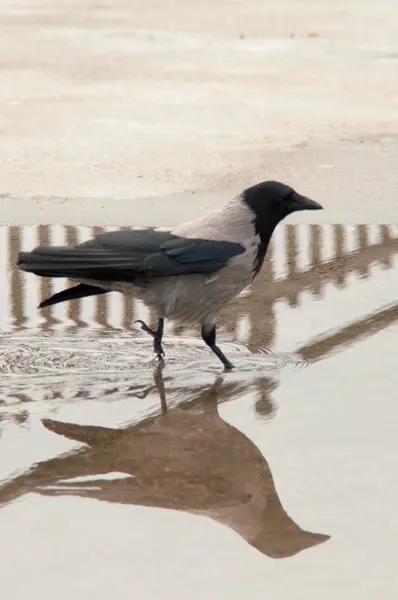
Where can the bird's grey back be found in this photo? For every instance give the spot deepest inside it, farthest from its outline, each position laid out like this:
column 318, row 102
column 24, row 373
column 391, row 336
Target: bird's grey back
column 233, row 222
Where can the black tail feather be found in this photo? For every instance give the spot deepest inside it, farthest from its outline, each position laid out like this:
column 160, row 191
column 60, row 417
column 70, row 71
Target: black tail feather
column 79, row 291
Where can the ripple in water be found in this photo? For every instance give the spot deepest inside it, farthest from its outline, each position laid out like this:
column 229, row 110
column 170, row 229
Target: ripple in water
column 41, row 355
column 48, row 366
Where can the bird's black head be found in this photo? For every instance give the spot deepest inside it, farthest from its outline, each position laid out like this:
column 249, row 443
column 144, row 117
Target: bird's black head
column 271, row 202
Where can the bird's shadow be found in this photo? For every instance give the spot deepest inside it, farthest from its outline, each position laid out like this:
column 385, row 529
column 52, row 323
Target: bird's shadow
column 187, row 458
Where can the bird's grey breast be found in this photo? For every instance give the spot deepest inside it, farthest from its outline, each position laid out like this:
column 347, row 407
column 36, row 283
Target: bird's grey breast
column 198, row 298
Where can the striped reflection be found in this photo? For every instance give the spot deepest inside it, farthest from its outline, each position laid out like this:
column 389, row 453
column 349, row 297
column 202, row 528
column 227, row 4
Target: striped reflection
column 301, row 258
column 46, row 284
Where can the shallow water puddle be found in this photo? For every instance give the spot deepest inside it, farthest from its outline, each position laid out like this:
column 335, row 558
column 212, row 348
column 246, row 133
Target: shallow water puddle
column 278, row 452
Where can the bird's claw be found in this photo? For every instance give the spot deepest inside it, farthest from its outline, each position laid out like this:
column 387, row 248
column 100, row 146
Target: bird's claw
column 145, row 327
column 159, row 352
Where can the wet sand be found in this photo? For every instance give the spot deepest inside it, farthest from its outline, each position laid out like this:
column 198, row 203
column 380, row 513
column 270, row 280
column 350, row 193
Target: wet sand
column 356, row 183
column 120, row 477
column 122, row 100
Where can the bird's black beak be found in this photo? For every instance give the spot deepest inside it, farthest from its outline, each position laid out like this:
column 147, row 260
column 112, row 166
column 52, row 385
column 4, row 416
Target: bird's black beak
column 299, row 202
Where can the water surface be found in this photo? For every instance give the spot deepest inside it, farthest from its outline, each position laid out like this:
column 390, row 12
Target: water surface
column 119, row 476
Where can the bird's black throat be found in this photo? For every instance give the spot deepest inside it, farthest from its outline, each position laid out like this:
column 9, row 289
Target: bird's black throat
column 264, row 230
column 259, row 258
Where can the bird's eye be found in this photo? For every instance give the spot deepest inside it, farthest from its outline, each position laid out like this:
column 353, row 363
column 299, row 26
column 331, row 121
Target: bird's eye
column 289, row 196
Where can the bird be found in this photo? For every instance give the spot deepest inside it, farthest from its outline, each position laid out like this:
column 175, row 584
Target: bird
column 188, row 273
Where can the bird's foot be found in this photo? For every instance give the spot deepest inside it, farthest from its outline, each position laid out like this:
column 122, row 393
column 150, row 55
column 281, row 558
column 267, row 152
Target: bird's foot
column 145, row 327
column 228, row 366
column 157, row 346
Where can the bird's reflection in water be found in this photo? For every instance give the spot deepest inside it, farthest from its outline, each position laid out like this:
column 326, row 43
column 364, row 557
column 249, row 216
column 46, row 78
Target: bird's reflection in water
column 186, row 459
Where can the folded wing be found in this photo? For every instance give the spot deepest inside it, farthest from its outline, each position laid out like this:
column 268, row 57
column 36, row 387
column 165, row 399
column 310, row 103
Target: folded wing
column 128, row 255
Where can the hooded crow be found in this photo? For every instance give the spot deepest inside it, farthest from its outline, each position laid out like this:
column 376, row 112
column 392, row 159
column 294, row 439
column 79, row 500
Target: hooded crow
column 188, row 273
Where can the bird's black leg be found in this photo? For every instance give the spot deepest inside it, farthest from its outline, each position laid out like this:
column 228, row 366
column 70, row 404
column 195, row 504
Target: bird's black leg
column 157, row 339
column 209, row 338
column 156, row 334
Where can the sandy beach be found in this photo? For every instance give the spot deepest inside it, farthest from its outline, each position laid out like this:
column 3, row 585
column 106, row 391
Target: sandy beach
column 119, row 100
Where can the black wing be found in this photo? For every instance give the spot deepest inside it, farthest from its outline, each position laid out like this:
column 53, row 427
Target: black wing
column 126, row 255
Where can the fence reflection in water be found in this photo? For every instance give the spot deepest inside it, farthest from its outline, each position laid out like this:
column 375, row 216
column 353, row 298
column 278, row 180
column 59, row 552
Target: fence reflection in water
column 301, row 258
